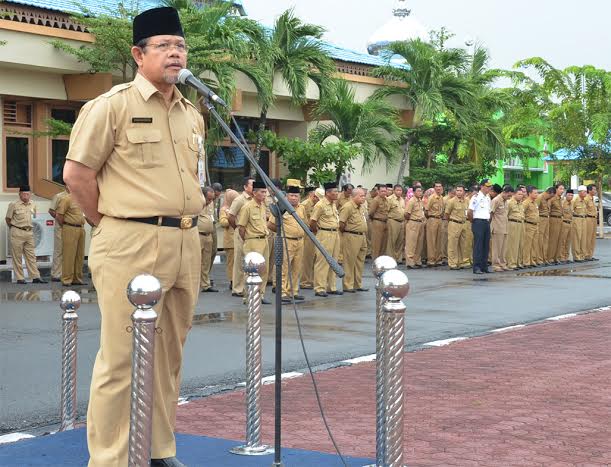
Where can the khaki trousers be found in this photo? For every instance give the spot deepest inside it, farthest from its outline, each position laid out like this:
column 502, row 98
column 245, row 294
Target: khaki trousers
column 205, row 244
column 73, row 239
column 229, row 256
column 22, row 245
column 529, row 245
column 238, row 260
column 355, row 250
column 444, row 240
column 514, row 239
column 259, row 245
column 580, row 239
column 591, row 236
column 395, row 239
column 324, row 277
column 119, row 251
column 294, row 258
column 413, row 243
column 456, row 244
column 56, row 267
column 213, row 250
column 498, row 242
column 542, row 240
column 369, row 230
column 433, row 241
column 378, row 238
column 565, row 241
column 307, row 270
column 553, row 245
column 468, row 251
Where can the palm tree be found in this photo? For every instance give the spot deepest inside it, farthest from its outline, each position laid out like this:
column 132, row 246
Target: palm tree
column 430, row 83
column 371, row 125
column 291, row 49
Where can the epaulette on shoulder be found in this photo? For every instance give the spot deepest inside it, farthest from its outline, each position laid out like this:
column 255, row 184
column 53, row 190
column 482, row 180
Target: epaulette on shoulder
column 115, row 89
column 188, row 102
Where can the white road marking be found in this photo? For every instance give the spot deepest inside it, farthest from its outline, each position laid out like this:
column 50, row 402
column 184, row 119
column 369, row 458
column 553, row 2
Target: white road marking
column 559, row 317
column 443, row 342
column 12, row 437
column 182, row 401
column 364, row 358
column 290, row 375
column 509, row 328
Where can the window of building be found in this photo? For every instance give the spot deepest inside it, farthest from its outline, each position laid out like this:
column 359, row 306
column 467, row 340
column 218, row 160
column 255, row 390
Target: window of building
column 59, row 144
column 17, row 120
column 17, row 161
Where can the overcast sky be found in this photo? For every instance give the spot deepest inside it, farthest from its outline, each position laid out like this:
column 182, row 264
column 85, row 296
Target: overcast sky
column 563, row 32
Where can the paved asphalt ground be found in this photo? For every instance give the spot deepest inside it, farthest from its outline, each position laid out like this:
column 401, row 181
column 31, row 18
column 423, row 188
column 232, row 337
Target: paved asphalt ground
column 441, row 304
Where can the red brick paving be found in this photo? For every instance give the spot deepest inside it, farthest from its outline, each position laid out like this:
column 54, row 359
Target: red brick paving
column 537, row 396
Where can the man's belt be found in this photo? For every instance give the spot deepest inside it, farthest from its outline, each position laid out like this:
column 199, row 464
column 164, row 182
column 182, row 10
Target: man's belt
column 593, row 217
column 205, row 234
column 396, row 220
column 27, row 229
column 179, row 222
column 458, row 222
column 379, row 220
column 531, row 223
column 555, row 217
column 434, row 217
column 73, row 225
column 256, row 238
column 577, row 215
column 544, row 216
column 568, row 222
column 354, row 233
column 294, row 238
column 328, row 230
column 417, row 220
column 514, row 220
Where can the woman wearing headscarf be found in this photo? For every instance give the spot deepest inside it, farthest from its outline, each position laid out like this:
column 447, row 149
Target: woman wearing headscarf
column 230, row 195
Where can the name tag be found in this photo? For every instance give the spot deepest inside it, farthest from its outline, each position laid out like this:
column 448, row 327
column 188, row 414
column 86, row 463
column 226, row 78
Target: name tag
column 142, row 120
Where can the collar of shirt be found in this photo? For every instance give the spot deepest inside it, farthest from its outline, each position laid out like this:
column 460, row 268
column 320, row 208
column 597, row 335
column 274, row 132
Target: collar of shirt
column 147, row 89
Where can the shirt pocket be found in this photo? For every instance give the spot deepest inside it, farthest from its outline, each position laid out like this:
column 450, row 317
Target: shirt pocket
column 145, row 147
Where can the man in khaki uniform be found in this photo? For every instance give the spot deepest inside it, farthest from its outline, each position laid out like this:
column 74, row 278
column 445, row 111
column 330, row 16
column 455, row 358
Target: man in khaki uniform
column 293, row 249
column 468, row 251
column 324, row 222
column 396, row 220
column 580, row 227
column 216, row 212
column 132, row 167
column 252, row 228
column 19, row 221
column 542, row 240
column 353, row 224
column 205, row 228
column 378, row 213
column 369, row 197
column 434, row 212
column 455, row 213
column 70, row 216
column 531, row 223
column 56, row 267
column 515, row 229
column 555, row 225
column 414, row 215
column 567, row 222
column 313, row 195
column 444, row 226
column 238, row 244
column 342, row 199
column 591, row 225
column 498, row 229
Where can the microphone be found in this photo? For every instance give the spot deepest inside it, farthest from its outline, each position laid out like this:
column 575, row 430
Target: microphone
column 187, row 78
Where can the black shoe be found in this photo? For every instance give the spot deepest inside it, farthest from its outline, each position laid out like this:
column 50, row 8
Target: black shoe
column 349, row 291
column 286, row 300
column 39, row 280
column 594, row 259
column 321, row 294
column 230, row 285
column 273, row 289
column 478, row 271
column 209, row 289
column 21, row 282
column 488, row 271
column 55, row 279
column 335, row 292
column 299, row 298
column 362, row 289
column 265, row 301
column 235, row 294
column 79, row 283
column 167, row 462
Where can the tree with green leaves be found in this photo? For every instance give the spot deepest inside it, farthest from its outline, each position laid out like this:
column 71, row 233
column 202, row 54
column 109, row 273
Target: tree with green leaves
column 576, row 104
column 291, row 49
column 371, row 126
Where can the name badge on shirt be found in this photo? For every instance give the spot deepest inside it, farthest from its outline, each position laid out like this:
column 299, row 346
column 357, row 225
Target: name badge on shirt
column 142, row 120
column 201, row 169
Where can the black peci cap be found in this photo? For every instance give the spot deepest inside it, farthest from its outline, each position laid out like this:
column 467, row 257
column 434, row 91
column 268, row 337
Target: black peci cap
column 257, row 184
column 24, row 188
column 293, row 189
column 329, row 186
column 162, row 21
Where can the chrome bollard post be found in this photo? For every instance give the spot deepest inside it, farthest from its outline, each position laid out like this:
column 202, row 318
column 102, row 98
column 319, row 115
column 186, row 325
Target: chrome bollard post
column 70, row 303
column 380, row 265
column 395, row 286
column 253, row 266
column 144, row 292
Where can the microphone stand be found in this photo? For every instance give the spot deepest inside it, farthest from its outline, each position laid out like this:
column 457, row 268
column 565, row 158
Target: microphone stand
column 280, row 206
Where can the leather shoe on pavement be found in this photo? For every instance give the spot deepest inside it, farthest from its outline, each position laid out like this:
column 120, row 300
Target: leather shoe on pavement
column 335, row 292
column 38, row 280
column 210, row 289
column 321, row 294
column 299, row 298
column 167, row 462
column 349, row 291
column 362, row 289
column 21, row 282
column 235, row 294
column 478, row 271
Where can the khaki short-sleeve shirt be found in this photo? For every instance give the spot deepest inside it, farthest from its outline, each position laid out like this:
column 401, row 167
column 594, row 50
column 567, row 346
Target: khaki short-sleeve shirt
column 145, row 153
column 567, row 210
column 515, row 210
column 435, row 205
column 379, row 207
column 543, row 205
column 205, row 219
column 555, row 207
column 531, row 211
column 354, row 217
column 253, row 217
column 590, row 206
column 308, row 207
column 238, row 203
column 72, row 212
column 580, row 206
column 56, row 199
column 498, row 215
column 21, row 213
column 456, row 209
column 325, row 214
column 415, row 209
column 396, row 208
column 291, row 228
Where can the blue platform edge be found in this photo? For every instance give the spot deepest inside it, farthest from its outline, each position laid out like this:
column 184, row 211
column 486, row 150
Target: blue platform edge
column 69, row 449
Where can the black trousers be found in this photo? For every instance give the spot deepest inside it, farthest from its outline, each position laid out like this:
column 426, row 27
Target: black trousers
column 481, row 243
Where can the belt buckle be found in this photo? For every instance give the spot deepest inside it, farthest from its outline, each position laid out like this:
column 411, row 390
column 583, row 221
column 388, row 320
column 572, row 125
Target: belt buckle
column 186, row 222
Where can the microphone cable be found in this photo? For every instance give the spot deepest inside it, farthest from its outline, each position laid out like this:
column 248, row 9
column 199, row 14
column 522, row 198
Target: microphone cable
column 296, row 313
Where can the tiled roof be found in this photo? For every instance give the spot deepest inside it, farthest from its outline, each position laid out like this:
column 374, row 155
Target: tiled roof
column 352, row 56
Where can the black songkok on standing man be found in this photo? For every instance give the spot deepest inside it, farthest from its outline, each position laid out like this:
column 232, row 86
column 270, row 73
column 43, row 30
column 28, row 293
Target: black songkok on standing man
column 157, row 22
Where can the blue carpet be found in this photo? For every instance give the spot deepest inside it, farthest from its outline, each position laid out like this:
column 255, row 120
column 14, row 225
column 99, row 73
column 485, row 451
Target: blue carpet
column 69, row 449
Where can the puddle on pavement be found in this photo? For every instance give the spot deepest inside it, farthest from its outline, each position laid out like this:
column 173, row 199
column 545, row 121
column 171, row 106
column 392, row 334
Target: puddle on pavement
column 562, row 272
column 46, row 295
